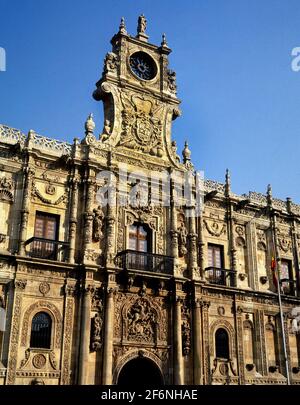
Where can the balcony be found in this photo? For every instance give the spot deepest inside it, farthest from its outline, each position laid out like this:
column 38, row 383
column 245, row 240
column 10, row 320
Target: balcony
column 141, row 261
column 219, row 276
column 47, row 249
column 288, row 287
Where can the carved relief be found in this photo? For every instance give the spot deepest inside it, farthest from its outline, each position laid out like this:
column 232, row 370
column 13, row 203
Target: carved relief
column 36, row 195
column 6, row 189
column 141, row 124
column 96, row 332
column 171, row 80
column 50, row 189
column 261, row 236
column 97, row 321
column 14, row 340
column 67, row 343
column 284, row 242
column 141, row 321
column 110, row 62
column 186, row 328
column 44, row 288
column 240, row 230
column 52, row 359
column 39, row 361
column 214, row 228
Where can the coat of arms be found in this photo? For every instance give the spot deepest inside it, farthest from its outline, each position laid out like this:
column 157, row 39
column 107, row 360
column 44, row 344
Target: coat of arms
column 141, row 125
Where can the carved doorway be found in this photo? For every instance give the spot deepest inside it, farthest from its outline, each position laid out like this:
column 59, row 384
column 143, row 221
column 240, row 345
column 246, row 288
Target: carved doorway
column 140, row 371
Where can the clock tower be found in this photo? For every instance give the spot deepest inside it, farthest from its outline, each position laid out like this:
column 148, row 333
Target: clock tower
column 138, row 91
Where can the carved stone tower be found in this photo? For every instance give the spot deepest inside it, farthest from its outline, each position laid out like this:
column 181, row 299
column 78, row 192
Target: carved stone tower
column 139, row 95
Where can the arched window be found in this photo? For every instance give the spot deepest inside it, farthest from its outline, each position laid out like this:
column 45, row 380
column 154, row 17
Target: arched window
column 140, row 237
column 222, row 344
column 41, row 331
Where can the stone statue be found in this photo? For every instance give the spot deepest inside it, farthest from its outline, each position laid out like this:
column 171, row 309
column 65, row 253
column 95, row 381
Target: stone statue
column 96, row 332
column 172, row 80
column 142, row 24
column 174, row 150
column 106, row 131
column 182, row 235
column 97, row 224
column 186, row 338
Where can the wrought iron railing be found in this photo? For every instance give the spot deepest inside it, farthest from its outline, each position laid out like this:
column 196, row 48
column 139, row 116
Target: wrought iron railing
column 155, row 263
column 218, row 276
column 47, row 249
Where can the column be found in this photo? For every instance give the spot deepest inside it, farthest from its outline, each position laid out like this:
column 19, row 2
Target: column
column 108, row 338
column 15, row 330
column 85, row 336
column 174, row 233
column 251, row 243
column 178, row 360
column 239, row 342
column 73, row 219
column 28, row 176
column 205, row 342
column 193, row 264
column 260, row 343
column 66, row 377
column 88, row 217
column 232, row 241
column 110, row 235
column 197, row 342
column 201, row 248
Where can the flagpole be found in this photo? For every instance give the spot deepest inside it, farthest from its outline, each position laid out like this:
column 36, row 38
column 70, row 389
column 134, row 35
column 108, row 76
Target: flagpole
column 280, row 303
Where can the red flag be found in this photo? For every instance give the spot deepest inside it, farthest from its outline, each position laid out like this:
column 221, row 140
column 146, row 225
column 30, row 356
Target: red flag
column 273, row 269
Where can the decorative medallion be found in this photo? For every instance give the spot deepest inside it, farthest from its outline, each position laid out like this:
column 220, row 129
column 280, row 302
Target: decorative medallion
column 39, row 361
column 221, row 311
column 214, row 228
column 50, row 189
column 44, row 288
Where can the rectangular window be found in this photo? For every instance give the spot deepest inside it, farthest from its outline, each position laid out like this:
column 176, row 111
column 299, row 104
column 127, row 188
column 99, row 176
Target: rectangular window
column 286, row 277
column 45, row 231
column 215, row 262
column 215, row 256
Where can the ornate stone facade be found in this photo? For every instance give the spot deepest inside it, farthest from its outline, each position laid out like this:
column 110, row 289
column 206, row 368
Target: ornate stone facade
column 109, row 302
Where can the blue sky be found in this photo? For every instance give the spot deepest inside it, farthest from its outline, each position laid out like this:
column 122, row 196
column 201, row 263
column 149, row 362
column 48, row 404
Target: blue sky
column 240, row 97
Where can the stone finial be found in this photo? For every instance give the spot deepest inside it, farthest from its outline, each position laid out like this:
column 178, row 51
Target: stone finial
column 269, row 194
column 186, row 153
column 89, row 124
column 142, row 24
column 164, row 40
column 122, row 27
column 227, row 182
column 289, row 205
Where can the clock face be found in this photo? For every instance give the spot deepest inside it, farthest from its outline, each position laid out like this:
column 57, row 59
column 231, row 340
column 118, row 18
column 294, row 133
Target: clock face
column 142, row 65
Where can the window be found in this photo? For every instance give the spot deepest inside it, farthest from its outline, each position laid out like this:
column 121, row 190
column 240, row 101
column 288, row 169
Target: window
column 46, row 227
column 286, row 277
column 215, row 262
column 139, row 238
column 222, row 344
column 41, row 331
column 215, row 256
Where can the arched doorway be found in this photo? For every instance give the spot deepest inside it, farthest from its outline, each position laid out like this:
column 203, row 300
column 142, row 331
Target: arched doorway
column 140, row 371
